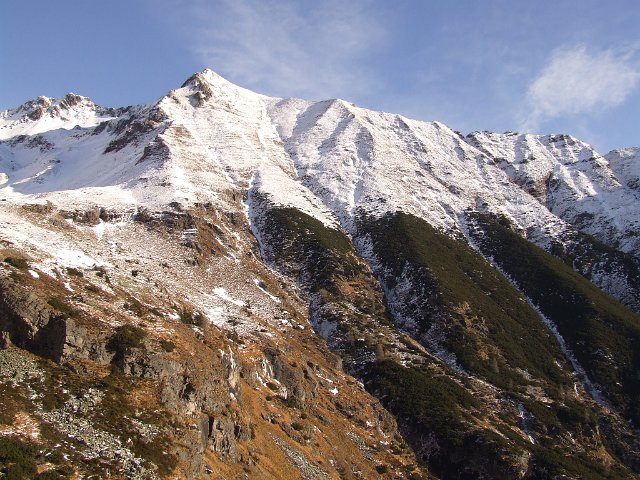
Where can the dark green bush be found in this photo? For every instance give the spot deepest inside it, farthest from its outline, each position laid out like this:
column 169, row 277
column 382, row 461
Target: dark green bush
column 322, row 252
column 63, row 307
column 435, row 402
column 434, row 405
column 74, row 272
column 167, row 345
column 579, row 465
column 17, row 459
column 125, row 339
column 451, row 280
column 17, row 262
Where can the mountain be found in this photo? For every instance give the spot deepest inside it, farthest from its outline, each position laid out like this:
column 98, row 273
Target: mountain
column 223, row 284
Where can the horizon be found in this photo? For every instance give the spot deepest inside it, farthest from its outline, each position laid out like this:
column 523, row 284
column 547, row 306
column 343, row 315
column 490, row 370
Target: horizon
column 499, row 66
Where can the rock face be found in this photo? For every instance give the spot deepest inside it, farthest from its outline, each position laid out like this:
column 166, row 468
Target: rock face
column 228, row 285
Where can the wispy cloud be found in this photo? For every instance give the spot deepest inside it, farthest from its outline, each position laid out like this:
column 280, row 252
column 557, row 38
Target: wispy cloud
column 579, row 81
column 307, row 49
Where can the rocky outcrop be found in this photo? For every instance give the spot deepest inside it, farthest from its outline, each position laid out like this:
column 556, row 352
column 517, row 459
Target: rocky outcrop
column 29, row 321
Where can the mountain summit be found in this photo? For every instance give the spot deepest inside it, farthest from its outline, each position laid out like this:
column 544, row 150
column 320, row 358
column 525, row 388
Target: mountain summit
column 229, row 284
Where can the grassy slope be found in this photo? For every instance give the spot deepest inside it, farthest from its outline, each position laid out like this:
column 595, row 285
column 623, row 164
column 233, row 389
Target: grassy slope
column 480, row 308
column 603, row 334
column 432, row 405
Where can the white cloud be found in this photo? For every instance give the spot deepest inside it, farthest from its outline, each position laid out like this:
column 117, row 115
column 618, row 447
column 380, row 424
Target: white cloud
column 307, row 49
column 578, row 81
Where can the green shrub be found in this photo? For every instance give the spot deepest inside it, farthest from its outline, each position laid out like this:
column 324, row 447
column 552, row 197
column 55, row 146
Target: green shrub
column 452, row 281
column 579, row 465
column 63, row 307
column 426, row 405
column 167, row 345
column 435, row 402
column 17, row 262
column 17, row 459
column 125, row 339
column 74, row 272
column 320, row 251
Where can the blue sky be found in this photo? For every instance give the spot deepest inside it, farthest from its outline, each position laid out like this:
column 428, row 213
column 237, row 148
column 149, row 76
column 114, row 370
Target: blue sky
column 540, row 66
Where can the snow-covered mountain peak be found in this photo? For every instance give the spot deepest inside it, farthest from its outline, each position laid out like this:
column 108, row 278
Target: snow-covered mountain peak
column 594, row 193
column 44, row 114
column 208, row 86
column 522, row 148
column 620, row 152
column 206, row 77
column 213, row 77
column 210, row 140
column 625, row 163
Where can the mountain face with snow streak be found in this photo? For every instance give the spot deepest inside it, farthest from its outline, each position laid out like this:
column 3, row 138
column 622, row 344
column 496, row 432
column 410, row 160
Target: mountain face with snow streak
column 595, row 193
column 280, row 277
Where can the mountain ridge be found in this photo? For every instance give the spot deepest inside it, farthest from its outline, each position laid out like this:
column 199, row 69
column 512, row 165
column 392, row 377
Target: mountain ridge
column 305, row 249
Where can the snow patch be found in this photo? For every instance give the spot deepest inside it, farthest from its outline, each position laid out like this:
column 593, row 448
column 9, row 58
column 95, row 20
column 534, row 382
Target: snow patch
column 223, row 294
column 75, row 259
column 259, row 284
